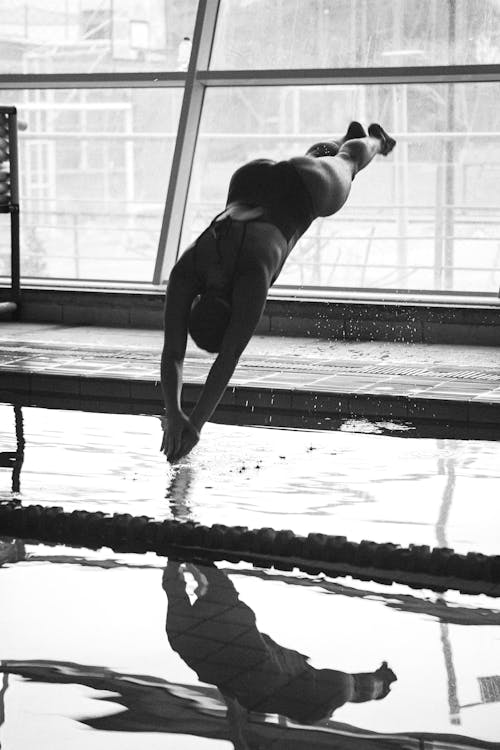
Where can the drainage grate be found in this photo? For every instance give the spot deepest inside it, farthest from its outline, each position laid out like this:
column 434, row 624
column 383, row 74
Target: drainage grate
column 435, row 372
column 315, row 366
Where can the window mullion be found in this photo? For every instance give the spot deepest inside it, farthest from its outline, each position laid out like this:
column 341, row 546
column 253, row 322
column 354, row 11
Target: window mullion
column 189, row 121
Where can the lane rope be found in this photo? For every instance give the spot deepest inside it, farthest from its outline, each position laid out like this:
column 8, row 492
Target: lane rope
column 418, row 566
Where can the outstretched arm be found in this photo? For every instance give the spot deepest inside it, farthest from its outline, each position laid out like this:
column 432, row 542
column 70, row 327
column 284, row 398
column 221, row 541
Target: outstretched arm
column 181, row 291
column 248, row 301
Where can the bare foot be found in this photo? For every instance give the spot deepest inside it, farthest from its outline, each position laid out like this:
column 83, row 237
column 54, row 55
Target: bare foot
column 355, row 130
column 331, row 148
column 386, row 142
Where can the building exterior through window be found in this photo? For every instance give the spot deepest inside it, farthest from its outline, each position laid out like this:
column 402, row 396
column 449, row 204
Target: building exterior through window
column 139, row 112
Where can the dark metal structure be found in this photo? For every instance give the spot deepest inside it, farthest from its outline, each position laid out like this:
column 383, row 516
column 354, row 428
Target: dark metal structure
column 9, row 202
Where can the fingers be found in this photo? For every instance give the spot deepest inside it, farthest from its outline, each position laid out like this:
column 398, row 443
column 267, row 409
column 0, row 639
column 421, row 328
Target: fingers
column 163, row 446
column 187, row 446
column 169, row 444
column 178, row 438
column 187, row 442
column 174, row 450
column 182, row 451
column 172, row 447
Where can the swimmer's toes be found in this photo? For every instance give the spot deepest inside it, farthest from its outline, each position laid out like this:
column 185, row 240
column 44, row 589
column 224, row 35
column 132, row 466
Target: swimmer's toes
column 387, row 143
column 390, row 143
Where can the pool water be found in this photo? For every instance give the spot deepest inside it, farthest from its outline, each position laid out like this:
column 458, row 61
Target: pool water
column 271, row 659
column 406, row 490
column 103, row 650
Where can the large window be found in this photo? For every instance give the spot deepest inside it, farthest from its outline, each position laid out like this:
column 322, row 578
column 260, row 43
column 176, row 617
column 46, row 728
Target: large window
column 94, row 36
column 138, row 113
column 425, row 218
column 94, row 172
column 355, row 33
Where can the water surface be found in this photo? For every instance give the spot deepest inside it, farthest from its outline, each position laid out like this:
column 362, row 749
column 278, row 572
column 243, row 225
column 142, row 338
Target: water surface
column 364, row 486
column 100, row 650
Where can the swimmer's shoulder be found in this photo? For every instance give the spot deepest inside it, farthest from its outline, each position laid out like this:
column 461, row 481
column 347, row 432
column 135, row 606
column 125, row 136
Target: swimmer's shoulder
column 185, row 271
column 185, row 265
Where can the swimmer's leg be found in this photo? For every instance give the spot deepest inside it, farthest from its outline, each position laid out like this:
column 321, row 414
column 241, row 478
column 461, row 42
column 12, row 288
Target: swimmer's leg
column 331, row 192
column 330, row 185
column 359, row 152
column 331, row 148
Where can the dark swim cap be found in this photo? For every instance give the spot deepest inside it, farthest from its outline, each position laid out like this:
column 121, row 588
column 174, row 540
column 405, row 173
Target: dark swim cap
column 208, row 320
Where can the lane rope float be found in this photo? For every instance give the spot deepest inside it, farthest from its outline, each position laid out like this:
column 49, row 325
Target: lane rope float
column 418, row 566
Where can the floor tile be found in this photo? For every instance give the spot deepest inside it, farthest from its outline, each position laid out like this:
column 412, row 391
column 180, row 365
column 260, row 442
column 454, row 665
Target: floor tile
column 278, row 379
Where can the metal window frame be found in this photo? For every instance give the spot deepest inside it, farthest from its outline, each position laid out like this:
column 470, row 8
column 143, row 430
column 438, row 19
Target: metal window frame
column 170, row 237
column 342, row 76
column 187, row 135
column 152, row 79
column 199, row 77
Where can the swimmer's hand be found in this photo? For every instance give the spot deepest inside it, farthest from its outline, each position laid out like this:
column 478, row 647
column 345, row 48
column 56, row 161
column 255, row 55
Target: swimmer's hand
column 179, row 436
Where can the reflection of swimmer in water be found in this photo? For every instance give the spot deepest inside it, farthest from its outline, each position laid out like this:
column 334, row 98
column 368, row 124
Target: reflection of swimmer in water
column 217, row 636
column 11, row 550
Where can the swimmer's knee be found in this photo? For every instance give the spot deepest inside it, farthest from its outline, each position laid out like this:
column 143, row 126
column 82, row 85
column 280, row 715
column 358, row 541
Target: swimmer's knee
column 354, row 153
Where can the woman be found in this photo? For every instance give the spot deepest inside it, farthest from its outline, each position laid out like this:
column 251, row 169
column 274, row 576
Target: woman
column 218, row 288
column 217, row 636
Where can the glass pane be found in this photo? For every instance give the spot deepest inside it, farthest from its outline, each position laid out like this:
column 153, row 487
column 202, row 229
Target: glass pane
column 426, row 217
column 92, row 36
column 94, row 170
column 355, row 33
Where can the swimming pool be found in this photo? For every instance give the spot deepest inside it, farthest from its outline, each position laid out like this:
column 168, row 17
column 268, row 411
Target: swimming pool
column 86, row 656
column 361, row 485
column 87, row 660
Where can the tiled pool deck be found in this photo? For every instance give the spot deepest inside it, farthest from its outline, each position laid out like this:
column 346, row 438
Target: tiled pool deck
column 455, row 384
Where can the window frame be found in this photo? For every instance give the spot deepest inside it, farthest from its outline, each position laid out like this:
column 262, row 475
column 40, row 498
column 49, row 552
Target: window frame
column 199, row 77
